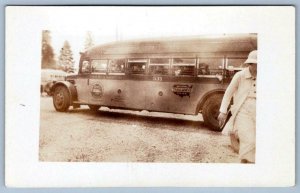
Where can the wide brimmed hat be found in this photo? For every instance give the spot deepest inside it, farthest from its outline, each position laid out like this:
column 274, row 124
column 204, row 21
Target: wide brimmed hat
column 252, row 58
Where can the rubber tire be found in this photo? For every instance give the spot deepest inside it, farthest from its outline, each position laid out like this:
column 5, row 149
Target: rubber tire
column 61, row 99
column 94, row 107
column 210, row 111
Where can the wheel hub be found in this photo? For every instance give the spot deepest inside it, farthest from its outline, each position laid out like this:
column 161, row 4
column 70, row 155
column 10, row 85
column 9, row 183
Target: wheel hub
column 59, row 98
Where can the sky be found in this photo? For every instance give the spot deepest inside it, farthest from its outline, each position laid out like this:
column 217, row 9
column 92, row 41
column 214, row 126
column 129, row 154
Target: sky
column 111, row 24
column 108, row 24
column 77, row 40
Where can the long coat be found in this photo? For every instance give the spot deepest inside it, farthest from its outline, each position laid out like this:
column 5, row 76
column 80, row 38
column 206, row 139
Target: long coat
column 239, row 89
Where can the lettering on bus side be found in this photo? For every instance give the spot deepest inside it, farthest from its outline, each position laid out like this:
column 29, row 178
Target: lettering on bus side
column 157, row 78
column 182, row 89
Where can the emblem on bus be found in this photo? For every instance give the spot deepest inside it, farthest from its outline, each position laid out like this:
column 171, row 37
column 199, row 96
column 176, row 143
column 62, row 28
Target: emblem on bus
column 182, row 90
column 97, row 91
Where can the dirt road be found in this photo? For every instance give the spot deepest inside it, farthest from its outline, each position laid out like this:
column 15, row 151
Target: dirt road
column 128, row 136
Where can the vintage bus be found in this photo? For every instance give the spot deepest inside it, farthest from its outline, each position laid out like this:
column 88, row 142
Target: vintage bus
column 186, row 75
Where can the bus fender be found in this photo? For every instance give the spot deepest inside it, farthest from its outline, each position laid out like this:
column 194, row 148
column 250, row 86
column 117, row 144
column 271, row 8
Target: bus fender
column 71, row 89
column 203, row 99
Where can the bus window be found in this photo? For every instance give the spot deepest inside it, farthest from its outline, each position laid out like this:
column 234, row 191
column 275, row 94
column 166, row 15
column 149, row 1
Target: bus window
column 85, row 66
column 234, row 65
column 117, row 66
column 137, row 66
column 184, row 66
column 159, row 66
column 99, row 66
column 236, row 62
column 210, row 66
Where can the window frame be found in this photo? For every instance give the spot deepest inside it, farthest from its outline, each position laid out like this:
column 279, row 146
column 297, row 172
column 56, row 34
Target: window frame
column 183, row 65
column 158, row 64
column 136, row 60
column 221, row 67
column 81, row 65
column 117, row 73
column 91, row 67
column 233, row 68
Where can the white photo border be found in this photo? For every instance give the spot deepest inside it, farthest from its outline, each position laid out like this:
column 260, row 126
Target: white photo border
column 276, row 44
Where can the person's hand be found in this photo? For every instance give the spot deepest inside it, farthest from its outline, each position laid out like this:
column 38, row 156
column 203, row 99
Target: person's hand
column 222, row 118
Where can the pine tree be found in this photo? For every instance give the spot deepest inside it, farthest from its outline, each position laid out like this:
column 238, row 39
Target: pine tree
column 48, row 60
column 66, row 60
column 89, row 41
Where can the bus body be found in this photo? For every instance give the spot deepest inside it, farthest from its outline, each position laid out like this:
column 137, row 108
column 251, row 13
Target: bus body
column 175, row 75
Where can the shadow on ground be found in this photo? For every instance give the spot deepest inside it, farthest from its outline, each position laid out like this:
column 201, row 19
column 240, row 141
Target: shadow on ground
column 147, row 119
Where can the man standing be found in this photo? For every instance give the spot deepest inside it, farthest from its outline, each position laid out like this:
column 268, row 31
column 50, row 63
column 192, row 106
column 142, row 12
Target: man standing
column 242, row 123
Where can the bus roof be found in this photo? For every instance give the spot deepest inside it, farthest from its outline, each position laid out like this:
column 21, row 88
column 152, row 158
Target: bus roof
column 189, row 44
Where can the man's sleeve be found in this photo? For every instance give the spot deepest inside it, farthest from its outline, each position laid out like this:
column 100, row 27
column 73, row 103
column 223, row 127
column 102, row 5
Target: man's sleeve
column 233, row 86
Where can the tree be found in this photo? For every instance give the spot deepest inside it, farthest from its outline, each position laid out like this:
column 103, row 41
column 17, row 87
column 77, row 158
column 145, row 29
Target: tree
column 66, row 61
column 89, row 41
column 48, row 60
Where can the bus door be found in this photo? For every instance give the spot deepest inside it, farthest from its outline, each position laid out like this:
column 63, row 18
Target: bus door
column 81, row 82
column 157, row 88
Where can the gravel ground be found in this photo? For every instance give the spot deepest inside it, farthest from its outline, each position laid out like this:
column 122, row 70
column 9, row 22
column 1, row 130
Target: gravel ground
column 81, row 135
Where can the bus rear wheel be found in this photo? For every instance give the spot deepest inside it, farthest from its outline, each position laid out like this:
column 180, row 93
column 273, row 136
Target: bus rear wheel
column 210, row 111
column 61, row 99
column 94, row 107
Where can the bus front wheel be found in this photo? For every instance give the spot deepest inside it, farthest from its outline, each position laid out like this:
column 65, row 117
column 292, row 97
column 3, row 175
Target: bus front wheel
column 210, row 111
column 61, row 99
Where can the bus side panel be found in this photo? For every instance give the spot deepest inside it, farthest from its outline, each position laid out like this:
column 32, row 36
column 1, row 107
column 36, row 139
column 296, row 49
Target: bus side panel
column 135, row 94
column 100, row 91
column 117, row 91
column 158, row 96
column 113, row 91
column 186, row 96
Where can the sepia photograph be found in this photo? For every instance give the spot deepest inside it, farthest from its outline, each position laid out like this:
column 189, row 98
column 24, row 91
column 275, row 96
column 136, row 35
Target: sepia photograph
column 143, row 96
column 147, row 100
